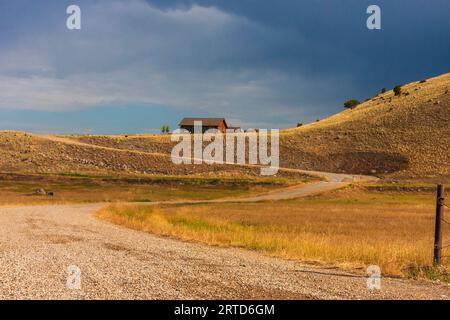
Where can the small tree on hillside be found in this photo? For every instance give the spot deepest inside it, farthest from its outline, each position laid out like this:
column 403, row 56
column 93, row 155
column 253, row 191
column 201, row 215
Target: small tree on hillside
column 383, row 90
column 351, row 104
column 165, row 129
column 398, row 90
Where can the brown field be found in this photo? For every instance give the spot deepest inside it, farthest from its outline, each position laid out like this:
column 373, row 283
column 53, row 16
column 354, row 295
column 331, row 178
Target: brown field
column 27, row 153
column 19, row 189
column 350, row 228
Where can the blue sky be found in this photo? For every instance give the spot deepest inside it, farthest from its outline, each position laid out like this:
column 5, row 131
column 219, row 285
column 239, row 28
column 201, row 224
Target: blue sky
column 136, row 65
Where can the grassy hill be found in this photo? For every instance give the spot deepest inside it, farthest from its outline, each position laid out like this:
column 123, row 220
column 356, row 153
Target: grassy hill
column 399, row 137
column 22, row 152
column 405, row 137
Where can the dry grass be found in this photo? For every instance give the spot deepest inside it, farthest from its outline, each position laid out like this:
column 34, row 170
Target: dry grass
column 17, row 189
column 351, row 228
column 400, row 137
column 403, row 137
column 27, row 153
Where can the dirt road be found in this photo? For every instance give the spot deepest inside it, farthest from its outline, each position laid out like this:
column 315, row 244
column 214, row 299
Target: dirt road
column 332, row 181
column 38, row 244
column 84, row 144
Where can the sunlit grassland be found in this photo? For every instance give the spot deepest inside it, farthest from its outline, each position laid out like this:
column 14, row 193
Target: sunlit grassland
column 350, row 228
column 70, row 188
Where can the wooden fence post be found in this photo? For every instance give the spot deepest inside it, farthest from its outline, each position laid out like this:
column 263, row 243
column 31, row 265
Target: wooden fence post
column 438, row 225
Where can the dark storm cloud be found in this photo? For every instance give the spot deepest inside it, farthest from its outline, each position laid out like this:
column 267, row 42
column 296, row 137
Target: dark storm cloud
column 267, row 63
column 330, row 36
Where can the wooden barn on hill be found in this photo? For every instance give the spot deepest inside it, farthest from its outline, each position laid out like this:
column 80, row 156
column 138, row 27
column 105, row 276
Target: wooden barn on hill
column 207, row 123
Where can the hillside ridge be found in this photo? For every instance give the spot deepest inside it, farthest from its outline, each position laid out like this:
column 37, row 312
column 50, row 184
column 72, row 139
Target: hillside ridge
column 405, row 137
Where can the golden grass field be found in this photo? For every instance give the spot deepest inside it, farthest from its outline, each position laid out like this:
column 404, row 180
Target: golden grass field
column 350, row 228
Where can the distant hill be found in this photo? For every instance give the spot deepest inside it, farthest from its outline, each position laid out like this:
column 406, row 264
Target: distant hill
column 404, row 137
column 22, row 152
column 398, row 137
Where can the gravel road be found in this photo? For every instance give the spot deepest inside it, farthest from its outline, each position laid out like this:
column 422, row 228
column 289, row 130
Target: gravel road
column 39, row 243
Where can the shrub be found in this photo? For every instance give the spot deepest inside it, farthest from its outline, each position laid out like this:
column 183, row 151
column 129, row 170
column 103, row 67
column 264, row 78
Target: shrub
column 165, row 129
column 398, row 90
column 299, row 124
column 350, row 104
column 423, row 81
column 383, row 90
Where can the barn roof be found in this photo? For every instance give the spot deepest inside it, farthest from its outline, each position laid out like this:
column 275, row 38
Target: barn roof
column 206, row 122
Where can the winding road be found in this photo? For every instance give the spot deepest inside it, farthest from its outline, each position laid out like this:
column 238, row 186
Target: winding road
column 40, row 244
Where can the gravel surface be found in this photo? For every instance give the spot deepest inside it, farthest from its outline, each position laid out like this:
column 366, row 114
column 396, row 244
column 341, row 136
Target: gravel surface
column 38, row 244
